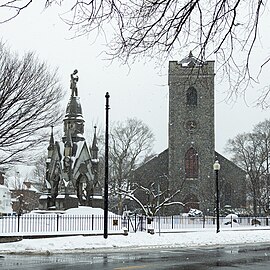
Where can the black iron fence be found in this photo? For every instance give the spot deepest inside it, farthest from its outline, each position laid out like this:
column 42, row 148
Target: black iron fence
column 61, row 223
column 57, row 223
column 180, row 222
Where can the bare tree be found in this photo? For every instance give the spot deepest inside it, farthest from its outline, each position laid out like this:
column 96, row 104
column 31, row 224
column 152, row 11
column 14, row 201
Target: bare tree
column 218, row 29
column 155, row 199
column 130, row 141
column 30, row 95
column 228, row 31
column 14, row 179
column 251, row 152
column 39, row 171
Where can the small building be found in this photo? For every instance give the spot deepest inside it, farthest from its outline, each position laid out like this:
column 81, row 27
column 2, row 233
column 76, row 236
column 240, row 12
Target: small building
column 5, row 201
column 26, row 198
column 72, row 165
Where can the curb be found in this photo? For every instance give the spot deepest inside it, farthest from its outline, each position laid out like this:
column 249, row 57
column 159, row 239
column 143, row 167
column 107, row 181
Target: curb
column 8, row 239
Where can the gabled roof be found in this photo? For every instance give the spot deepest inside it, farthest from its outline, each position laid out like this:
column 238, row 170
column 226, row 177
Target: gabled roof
column 229, row 163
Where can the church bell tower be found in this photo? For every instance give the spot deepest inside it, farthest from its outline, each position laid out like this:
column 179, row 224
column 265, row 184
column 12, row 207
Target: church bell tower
column 191, row 129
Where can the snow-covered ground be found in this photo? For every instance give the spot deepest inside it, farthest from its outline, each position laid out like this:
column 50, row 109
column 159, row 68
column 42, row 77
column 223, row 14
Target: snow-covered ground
column 203, row 237
column 184, row 237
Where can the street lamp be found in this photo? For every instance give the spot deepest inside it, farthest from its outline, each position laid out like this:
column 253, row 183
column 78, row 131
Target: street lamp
column 216, row 168
column 107, row 107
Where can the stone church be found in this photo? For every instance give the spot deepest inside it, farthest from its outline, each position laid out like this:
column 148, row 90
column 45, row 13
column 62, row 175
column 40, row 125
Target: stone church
column 187, row 164
column 72, row 165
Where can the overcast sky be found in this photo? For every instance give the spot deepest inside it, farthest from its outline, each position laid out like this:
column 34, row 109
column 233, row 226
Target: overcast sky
column 140, row 91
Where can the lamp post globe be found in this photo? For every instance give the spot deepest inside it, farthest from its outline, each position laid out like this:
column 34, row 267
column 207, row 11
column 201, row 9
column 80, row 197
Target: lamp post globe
column 216, row 166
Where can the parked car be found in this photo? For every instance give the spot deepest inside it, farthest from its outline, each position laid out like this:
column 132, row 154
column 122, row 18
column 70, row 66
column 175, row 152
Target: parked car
column 195, row 213
column 231, row 219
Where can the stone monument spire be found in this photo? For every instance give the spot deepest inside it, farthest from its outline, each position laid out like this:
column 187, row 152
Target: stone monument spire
column 73, row 121
column 94, row 148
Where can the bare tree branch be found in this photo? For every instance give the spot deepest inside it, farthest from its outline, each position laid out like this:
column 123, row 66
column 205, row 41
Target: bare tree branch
column 29, row 103
column 220, row 29
column 155, row 201
column 13, row 8
column 251, row 152
column 226, row 30
column 130, row 141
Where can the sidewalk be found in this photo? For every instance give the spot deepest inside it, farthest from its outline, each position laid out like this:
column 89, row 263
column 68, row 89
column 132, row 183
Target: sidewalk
column 20, row 236
column 139, row 240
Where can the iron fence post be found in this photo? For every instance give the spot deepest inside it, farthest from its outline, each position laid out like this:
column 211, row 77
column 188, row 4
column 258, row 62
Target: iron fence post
column 19, row 216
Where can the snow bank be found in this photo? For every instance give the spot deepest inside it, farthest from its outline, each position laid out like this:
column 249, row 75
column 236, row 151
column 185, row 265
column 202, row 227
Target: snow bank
column 136, row 240
column 80, row 211
column 86, row 210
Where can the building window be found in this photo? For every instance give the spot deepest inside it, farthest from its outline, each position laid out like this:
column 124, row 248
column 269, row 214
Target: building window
column 191, row 163
column 192, row 96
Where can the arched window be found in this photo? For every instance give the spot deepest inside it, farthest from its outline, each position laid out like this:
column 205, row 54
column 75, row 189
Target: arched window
column 191, row 163
column 192, row 96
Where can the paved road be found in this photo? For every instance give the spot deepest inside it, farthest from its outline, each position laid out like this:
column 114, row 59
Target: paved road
column 222, row 258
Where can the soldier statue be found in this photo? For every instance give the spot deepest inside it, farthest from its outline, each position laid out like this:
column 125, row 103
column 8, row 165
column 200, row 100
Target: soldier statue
column 73, row 83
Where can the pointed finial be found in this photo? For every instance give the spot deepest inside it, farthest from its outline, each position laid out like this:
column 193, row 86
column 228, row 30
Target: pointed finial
column 51, row 144
column 95, row 144
column 190, row 54
column 51, row 138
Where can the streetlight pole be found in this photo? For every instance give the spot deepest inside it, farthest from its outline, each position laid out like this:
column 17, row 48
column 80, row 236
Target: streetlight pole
column 216, row 168
column 107, row 96
column 159, row 206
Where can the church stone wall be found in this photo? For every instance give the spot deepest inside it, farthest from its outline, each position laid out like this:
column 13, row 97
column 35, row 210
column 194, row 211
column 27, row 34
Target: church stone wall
column 232, row 184
column 201, row 137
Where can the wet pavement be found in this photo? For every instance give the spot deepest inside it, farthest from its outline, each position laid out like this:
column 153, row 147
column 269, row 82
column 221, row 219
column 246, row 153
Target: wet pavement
column 224, row 258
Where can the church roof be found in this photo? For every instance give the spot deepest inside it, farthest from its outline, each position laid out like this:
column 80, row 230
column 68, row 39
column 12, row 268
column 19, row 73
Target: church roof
column 79, row 146
column 191, row 61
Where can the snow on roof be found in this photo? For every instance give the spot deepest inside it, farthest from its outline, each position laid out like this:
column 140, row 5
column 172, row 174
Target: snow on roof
column 98, row 197
column 60, row 196
column 190, row 61
column 61, row 146
column 43, row 196
column 79, row 144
